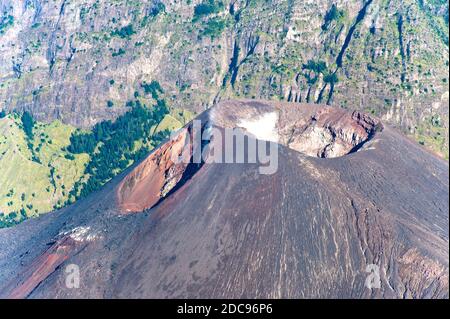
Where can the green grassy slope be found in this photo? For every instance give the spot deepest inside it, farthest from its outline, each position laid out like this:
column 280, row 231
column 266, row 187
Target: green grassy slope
column 30, row 187
column 38, row 175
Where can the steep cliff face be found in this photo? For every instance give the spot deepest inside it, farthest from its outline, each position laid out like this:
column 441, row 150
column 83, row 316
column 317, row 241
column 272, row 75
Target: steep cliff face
column 66, row 59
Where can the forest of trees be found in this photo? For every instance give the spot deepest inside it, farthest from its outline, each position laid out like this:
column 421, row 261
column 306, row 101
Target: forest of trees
column 12, row 219
column 28, row 124
column 111, row 145
column 116, row 141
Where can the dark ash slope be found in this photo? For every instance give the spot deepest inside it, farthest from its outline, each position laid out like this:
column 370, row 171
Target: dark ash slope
column 307, row 231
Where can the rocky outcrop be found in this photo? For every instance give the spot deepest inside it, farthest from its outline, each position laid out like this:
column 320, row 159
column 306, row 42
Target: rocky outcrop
column 154, row 177
column 324, row 132
column 331, row 133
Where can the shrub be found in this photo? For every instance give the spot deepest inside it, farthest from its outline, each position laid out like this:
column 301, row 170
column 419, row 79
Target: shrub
column 331, row 78
column 157, row 9
column 125, row 32
column 334, row 14
column 153, row 88
column 314, row 66
column 69, row 157
column 28, row 124
column 317, row 67
column 207, row 8
column 214, row 28
column 118, row 53
column 11, row 219
column 5, row 23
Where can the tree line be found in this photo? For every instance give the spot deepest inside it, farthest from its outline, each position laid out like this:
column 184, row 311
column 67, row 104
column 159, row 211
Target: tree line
column 111, row 145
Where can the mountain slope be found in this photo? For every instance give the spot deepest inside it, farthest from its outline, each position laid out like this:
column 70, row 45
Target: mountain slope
column 386, row 57
column 310, row 230
column 58, row 164
column 36, row 172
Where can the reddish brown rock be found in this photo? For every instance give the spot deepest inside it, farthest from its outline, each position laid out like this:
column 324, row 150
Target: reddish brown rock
column 147, row 183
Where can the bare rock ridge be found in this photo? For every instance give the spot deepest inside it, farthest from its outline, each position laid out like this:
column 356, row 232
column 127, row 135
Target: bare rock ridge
column 152, row 178
column 312, row 229
column 157, row 175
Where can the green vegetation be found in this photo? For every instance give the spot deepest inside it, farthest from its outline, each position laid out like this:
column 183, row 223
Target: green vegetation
column 12, row 219
column 118, row 52
column 264, row 73
column 206, row 8
column 28, row 187
column 157, row 9
column 124, row 32
column 83, row 12
column 334, row 14
column 117, row 145
column 331, row 78
column 5, row 23
column 214, row 27
column 28, row 123
column 431, row 133
column 153, row 88
column 113, row 145
column 74, row 163
column 314, row 68
column 27, row 126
